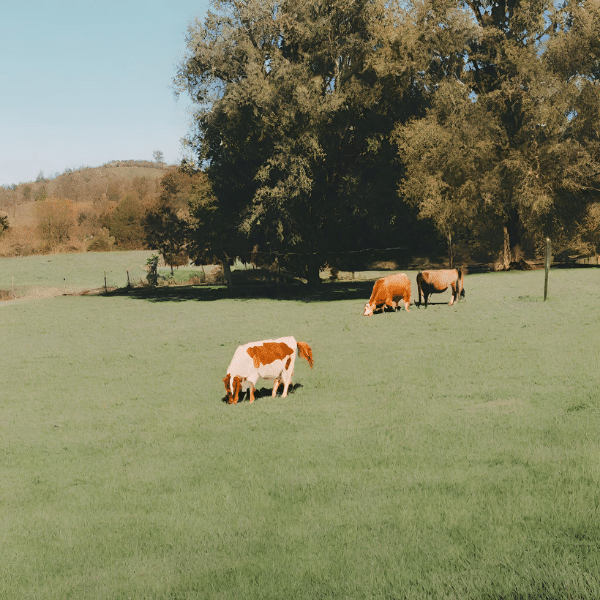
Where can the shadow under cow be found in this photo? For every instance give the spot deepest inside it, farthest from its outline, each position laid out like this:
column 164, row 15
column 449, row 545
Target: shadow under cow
column 264, row 393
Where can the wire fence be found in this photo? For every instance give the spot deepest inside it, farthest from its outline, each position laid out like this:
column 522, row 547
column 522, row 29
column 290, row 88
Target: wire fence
column 371, row 263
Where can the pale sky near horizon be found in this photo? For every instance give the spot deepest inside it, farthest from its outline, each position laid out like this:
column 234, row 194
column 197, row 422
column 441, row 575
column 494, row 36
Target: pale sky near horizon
column 85, row 82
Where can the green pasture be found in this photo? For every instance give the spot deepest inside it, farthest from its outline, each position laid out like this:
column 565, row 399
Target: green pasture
column 75, row 272
column 447, row 452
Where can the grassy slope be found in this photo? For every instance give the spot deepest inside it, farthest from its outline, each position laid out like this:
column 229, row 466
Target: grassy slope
column 450, row 452
column 90, row 183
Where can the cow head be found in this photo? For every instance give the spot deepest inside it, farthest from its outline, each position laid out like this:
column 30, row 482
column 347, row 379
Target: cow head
column 368, row 310
column 232, row 388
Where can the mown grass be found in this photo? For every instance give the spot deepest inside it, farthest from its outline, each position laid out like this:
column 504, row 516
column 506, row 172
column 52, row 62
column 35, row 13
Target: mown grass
column 449, row 452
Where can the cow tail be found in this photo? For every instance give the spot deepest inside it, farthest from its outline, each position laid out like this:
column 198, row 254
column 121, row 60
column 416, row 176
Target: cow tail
column 305, row 352
column 461, row 284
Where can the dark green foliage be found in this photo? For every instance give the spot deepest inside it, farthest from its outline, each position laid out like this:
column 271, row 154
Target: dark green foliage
column 172, row 225
column 125, row 222
column 152, row 264
column 511, row 144
column 294, row 132
column 328, row 127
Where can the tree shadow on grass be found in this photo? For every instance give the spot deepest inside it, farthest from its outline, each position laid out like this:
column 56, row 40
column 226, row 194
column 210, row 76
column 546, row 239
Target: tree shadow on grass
column 264, row 393
column 326, row 292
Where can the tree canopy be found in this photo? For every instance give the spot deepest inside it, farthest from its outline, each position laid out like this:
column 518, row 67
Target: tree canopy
column 509, row 143
column 329, row 126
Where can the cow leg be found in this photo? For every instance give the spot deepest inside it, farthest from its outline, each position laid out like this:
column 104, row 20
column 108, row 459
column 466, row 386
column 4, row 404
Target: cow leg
column 453, row 288
column 237, row 386
column 287, row 379
column 251, row 392
column 275, row 387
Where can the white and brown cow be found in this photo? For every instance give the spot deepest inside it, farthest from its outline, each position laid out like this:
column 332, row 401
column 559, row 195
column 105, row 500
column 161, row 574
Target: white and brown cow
column 388, row 291
column 267, row 359
column 438, row 281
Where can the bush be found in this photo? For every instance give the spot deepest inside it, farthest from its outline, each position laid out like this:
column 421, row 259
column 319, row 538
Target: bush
column 125, row 222
column 101, row 242
column 19, row 241
column 3, row 222
column 56, row 219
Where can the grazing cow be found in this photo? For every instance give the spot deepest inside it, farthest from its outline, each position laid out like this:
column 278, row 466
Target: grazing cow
column 269, row 359
column 436, row 282
column 388, row 291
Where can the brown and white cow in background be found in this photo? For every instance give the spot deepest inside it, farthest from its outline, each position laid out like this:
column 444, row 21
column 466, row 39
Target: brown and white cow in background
column 267, row 359
column 388, row 291
column 438, row 281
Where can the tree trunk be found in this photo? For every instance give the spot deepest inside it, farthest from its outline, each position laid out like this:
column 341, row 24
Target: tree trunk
column 506, row 255
column 313, row 269
column 227, row 272
column 450, row 250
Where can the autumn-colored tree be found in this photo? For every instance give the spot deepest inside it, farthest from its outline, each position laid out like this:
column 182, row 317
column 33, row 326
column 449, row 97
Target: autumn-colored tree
column 101, row 242
column 56, row 219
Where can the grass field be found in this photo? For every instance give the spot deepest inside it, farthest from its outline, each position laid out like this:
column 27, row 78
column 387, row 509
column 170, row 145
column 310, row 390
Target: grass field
column 73, row 272
column 56, row 274
column 448, row 452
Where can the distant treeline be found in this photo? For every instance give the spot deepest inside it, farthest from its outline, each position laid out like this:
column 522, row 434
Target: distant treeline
column 135, row 163
column 86, row 209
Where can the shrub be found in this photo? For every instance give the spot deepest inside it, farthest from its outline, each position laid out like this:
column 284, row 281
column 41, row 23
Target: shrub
column 125, row 222
column 101, row 242
column 56, row 219
column 3, row 222
column 19, row 241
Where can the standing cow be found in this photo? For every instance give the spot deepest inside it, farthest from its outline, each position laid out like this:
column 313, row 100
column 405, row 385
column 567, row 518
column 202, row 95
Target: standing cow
column 436, row 282
column 388, row 291
column 269, row 359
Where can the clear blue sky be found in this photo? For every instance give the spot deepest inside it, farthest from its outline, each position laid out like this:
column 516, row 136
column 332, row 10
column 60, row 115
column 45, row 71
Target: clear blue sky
column 84, row 82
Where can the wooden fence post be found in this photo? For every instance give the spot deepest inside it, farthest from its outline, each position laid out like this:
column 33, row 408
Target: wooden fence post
column 105, row 287
column 547, row 267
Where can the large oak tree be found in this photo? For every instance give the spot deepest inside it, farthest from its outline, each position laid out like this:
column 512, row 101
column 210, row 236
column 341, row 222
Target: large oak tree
column 324, row 126
column 296, row 103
